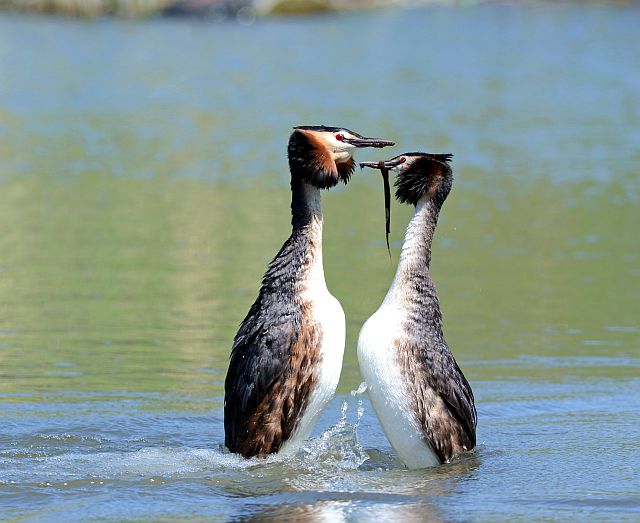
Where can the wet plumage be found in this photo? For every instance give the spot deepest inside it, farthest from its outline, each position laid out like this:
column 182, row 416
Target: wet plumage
column 287, row 355
column 421, row 396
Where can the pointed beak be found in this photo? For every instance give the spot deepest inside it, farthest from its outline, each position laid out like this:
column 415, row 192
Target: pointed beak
column 382, row 164
column 369, row 142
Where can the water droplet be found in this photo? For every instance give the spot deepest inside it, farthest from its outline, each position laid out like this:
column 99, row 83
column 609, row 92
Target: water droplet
column 360, row 390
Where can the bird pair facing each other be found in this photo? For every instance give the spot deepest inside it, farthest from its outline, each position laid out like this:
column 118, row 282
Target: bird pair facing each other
column 287, row 355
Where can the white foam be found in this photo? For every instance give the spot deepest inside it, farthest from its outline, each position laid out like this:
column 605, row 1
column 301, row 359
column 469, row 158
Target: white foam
column 335, row 448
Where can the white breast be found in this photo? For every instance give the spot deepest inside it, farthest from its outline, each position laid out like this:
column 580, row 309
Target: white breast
column 328, row 313
column 387, row 387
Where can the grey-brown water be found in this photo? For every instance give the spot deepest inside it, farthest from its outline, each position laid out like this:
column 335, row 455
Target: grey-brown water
column 144, row 188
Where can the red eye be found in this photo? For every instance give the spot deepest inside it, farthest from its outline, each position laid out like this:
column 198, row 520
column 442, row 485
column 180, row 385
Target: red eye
column 403, row 159
column 340, row 137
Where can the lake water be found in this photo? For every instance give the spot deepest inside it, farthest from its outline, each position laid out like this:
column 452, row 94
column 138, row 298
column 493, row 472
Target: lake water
column 144, row 188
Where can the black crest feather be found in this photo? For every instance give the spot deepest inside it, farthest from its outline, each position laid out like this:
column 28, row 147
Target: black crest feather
column 428, row 173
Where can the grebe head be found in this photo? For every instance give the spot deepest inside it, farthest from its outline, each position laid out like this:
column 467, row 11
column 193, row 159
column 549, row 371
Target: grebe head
column 419, row 175
column 323, row 156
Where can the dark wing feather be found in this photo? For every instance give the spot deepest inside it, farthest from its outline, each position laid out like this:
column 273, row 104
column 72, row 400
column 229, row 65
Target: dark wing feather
column 271, row 372
column 448, row 419
column 259, row 358
column 454, row 389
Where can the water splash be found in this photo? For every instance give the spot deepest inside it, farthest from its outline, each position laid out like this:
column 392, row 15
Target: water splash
column 56, row 459
column 362, row 388
column 338, row 446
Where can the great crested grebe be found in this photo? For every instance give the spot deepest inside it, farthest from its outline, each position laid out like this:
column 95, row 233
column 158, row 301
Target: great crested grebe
column 423, row 401
column 287, row 355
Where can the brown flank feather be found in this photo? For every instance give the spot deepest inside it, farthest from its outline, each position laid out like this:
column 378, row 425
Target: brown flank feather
column 276, row 417
column 443, row 430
